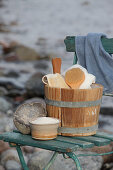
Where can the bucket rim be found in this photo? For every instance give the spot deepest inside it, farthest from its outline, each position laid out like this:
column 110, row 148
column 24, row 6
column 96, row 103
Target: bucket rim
column 94, row 85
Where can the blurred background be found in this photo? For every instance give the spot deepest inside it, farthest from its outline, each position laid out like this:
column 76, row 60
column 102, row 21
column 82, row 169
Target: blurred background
column 31, row 33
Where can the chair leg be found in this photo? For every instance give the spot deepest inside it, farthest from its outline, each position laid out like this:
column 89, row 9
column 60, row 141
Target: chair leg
column 22, row 161
column 76, row 160
column 51, row 161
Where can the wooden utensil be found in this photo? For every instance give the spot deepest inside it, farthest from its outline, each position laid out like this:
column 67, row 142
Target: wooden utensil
column 74, row 77
column 56, row 63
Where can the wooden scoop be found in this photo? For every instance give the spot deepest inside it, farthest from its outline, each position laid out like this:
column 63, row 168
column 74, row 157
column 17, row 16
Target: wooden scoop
column 74, row 77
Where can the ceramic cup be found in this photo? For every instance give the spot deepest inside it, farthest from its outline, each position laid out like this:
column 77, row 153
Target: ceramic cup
column 44, row 128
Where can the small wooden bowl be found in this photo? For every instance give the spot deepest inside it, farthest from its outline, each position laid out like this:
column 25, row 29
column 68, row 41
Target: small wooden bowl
column 46, row 129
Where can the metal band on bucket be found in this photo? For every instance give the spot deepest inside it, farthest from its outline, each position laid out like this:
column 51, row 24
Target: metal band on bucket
column 72, row 104
column 78, row 130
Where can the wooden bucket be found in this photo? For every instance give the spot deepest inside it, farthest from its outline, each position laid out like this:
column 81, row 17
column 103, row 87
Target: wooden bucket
column 78, row 109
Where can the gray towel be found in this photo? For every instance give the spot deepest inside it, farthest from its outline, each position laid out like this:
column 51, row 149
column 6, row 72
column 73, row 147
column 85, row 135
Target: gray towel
column 95, row 59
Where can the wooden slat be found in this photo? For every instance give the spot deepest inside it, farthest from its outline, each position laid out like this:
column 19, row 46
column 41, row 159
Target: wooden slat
column 27, row 140
column 106, row 42
column 104, row 135
column 82, row 144
column 96, row 140
column 70, row 43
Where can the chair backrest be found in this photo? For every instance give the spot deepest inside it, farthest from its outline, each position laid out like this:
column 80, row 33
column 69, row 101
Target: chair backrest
column 70, row 45
column 106, row 42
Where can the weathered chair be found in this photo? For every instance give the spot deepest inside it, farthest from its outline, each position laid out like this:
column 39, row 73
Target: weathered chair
column 62, row 145
column 70, row 45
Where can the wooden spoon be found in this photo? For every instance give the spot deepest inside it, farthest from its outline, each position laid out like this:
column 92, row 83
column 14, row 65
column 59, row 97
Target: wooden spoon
column 74, row 77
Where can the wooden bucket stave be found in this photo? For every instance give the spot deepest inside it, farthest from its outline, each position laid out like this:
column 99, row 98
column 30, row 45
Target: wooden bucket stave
column 78, row 109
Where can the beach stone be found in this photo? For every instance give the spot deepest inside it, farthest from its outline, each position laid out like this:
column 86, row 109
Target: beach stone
column 6, row 123
column 4, row 105
column 10, row 83
column 10, row 113
column 1, row 167
column 25, row 53
column 4, row 28
column 41, row 64
column 85, row 3
column 10, row 154
column 19, row 99
column 3, row 91
column 28, row 149
column 27, row 112
column 2, row 72
column 15, row 92
column 22, row 52
column 34, row 85
column 12, row 165
column 11, row 57
column 7, row 48
column 12, row 73
column 108, row 166
column 36, row 99
column 40, row 159
column 3, row 146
